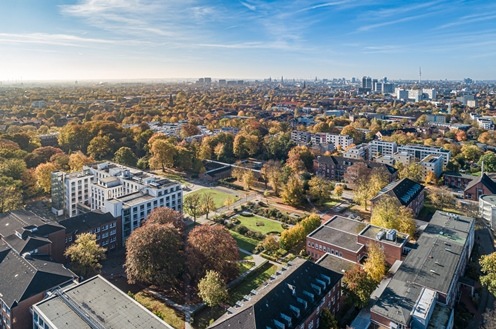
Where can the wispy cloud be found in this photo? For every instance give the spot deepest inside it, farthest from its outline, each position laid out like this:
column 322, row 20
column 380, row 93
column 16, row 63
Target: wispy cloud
column 59, row 40
column 469, row 19
column 392, row 22
column 249, row 5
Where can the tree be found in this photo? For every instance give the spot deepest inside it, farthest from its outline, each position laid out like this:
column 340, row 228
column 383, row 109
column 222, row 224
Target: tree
column 125, row 156
column 300, row 159
column 292, row 192
column 327, row 320
column 388, row 213
column 164, row 215
column 358, row 286
column 14, row 168
column 229, row 202
column 320, row 189
column 441, row 197
column 86, row 254
column 470, row 153
column 375, row 266
column 207, row 204
column 154, row 255
column 338, row 190
column 212, row 289
column 367, row 186
column 430, row 178
column 271, row 172
column 100, row 147
column 192, row 205
column 488, row 268
column 162, row 152
column 78, row 160
column 489, row 160
column 41, row 155
column 270, row 244
column 43, row 174
column 212, row 248
column 10, row 194
column 248, row 179
column 292, row 237
column 311, row 223
column 413, row 171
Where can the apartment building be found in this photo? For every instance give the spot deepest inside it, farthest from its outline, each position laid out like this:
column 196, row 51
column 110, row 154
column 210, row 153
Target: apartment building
column 421, row 151
column 361, row 152
column 109, row 187
column 379, row 148
column 304, row 137
column 432, row 164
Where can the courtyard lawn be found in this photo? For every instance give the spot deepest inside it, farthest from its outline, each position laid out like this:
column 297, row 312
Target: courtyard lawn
column 252, row 281
column 160, row 309
column 244, row 242
column 260, row 224
column 219, row 196
column 331, row 203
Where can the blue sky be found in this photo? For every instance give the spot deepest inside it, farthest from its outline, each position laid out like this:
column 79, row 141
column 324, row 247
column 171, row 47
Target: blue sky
column 135, row 39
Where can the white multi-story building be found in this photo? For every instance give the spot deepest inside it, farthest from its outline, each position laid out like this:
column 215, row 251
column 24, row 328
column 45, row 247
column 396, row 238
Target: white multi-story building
column 432, row 163
column 358, row 152
column 381, row 148
column 421, row 151
column 300, row 136
column 109, row 187
column 487, row 209
column 343, row 141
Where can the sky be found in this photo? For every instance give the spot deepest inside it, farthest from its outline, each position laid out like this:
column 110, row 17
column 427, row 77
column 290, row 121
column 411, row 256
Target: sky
column 249, row 39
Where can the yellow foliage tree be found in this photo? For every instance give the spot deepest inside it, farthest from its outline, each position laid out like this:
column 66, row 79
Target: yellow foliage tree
column 43, row 174
column 375, row 266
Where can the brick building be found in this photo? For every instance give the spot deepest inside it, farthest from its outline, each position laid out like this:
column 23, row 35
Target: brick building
column 457, row 180
column 483, row 185
column 408, row 193
column 348, row 239
column 293, row 298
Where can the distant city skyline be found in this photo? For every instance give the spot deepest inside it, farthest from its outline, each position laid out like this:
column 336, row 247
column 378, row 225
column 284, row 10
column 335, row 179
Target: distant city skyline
column 251, row 39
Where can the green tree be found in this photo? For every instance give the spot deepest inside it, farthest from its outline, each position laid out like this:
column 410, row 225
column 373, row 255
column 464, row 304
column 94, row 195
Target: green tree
column 192, row 205
column 327, row 320
column 488, row 268
column 86, row 254
column 125, row 156
column 212, row 289
column 10, row 194
column 154, row 254
column 14, row 168
column 489, row 160
column 320, row 189
column 375, row 266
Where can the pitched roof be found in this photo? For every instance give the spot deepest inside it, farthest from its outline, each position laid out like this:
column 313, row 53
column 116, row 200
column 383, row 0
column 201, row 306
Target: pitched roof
column 28, row 277
column 405, row 190
column 486, row 181
column 86, row 221
column 289, row 299
column 342, row 161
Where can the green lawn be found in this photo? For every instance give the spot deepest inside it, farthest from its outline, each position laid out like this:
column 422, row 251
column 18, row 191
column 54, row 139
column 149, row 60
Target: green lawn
column 267, row 225
column 331, row 203
column 160, row 309
column 252, row 281
column 219, row 197
column 244, row 242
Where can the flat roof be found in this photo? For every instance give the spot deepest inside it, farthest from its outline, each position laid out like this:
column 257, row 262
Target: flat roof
column 97, row 301
column 489, row 199
column 371, row 233
column 345, row 224
column 335, row 237
column 335, row 263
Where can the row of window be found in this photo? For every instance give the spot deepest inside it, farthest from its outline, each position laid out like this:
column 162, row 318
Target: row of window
column 325, row 249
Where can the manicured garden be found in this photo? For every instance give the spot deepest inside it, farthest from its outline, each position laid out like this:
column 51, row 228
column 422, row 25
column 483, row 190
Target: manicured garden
column 218, row 196
column 260, row 224
column 160, row 309
column 244, row 242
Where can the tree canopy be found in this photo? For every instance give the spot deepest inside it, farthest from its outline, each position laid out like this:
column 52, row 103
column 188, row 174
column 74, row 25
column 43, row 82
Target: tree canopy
column 85, row 254
column 212, row 289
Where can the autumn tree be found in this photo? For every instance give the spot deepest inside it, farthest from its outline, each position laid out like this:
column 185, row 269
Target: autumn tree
column 358, row 286
column 271, row 172
column 13, row 168
column 207, row 204
column 162, row 152
column 41, row 155
column 488, row 269
column 100, row 147
column 212, row 248
column 390, row 214
column 10, row 194
column 292, row 237
column 441, row 197
column 375, row 266
column 300, row 158
column 43, row 174
column 367, row 186
column 338, row 190
column 154, row 254
column 165, row 215
column 292, row 192
column 270, row 243
column 78, row 160
column 489, row 161
column 413, row 171
column 125, row 156
column 327, row 320
column 192, row 205
column 86, row 254
column 212, row 289
column 320, row 189
column 310, row 223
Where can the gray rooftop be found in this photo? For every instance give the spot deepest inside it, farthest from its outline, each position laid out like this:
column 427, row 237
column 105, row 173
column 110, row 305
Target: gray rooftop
column 489, row 198
column 336, row 237
column 100, row 302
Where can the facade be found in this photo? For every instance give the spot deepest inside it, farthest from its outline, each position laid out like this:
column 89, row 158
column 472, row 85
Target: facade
column 457, row 180
column 304, row 137
column 105, row 226
column 404, row 158
column 348, row 239
column 483, row 185
column 299, row 136
column 487, row 209
column 94, row 303
column 361, row 152
column 122, row 191
column 24, row 281
column 293, row 298
column 347, row 170
column 381, row 148
column 426, row 283
column 421, row 151
column 408, row 193
column 432, row 164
